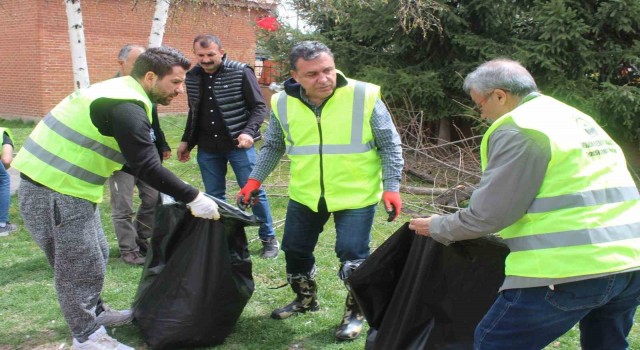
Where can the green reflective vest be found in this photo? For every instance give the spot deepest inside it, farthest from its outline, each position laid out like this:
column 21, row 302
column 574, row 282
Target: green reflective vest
column 332, row 154
column 67, row 153
column 586, row 216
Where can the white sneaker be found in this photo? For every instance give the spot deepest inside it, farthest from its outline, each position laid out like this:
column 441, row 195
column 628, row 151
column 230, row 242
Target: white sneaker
column 100, row 340
column 7, row 229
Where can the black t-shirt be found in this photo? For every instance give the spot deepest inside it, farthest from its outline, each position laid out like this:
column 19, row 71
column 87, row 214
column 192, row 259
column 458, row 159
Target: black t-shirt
column 128, row 123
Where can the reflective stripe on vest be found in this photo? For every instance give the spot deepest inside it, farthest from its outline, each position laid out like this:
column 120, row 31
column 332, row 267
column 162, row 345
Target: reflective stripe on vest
column 67, row 153
column 81, row 140
column 357, row 120
column 61, row 164
column 332, row 155
column 583, row 199
column 574, row 238
column 585, row 218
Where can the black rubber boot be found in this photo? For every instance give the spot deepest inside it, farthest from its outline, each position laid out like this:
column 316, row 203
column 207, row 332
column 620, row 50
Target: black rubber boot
column 305, row 287
column 352, row 320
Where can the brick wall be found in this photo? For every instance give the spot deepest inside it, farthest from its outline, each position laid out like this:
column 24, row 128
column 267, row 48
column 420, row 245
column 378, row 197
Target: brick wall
column 34, row 46
column 21, row 82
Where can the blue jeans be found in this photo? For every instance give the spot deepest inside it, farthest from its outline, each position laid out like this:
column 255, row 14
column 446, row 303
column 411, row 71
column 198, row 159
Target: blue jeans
column 531, row 318
column 303, row 227
column 5, row 195
column 213, row 167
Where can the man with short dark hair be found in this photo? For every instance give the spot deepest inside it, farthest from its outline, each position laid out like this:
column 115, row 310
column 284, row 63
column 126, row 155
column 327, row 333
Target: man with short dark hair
column 345, row 156
column 557, row 189
column 226, row 109
column 64, row 164
column 133, row 228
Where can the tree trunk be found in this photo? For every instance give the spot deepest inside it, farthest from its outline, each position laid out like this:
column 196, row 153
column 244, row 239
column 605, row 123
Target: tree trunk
column 431, row 191
column 444, row 131
column 78, row 49
column 159, row 21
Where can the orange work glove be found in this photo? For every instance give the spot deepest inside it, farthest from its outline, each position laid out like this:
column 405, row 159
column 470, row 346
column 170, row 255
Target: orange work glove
column 248, row 195
column 392, row 203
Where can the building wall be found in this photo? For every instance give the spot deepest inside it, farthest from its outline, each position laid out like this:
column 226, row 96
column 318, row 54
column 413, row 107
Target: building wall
column 20, row 58
column 34, row 48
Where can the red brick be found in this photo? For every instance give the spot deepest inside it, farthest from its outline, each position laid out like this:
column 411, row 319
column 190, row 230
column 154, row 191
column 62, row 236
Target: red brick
column 35, row 50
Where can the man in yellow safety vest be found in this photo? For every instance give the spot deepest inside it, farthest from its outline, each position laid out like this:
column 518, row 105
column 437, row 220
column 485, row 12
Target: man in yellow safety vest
column 557, row 189
column 345, row 156
column 64, row 164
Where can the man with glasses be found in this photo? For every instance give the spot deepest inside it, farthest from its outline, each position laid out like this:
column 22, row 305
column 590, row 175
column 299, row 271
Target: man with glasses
column 556, row 188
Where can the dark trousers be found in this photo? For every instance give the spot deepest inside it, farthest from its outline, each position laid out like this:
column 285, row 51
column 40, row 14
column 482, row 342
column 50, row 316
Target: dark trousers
column 531, row 318
column 303, row 227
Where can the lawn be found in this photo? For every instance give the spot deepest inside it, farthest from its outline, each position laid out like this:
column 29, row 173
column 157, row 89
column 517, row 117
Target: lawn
column 31, row 318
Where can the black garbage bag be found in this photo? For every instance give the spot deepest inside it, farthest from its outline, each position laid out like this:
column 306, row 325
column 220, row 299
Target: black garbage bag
column 197, row 277
column 419, row 294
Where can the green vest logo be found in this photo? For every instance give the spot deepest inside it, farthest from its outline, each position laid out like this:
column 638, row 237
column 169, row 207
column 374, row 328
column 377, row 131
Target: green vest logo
column 588, row 128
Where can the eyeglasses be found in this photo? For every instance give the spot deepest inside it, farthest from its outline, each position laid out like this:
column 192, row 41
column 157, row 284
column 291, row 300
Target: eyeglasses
column 480, row 105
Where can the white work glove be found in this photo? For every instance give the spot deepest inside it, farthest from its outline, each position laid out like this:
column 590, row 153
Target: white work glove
column 204, row 207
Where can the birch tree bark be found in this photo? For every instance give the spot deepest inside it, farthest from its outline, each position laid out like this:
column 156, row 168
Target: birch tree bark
column 158, row 23
column 77, row 42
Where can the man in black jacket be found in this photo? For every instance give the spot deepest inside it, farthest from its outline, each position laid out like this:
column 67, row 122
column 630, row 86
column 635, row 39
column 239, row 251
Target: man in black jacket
column 226, row 109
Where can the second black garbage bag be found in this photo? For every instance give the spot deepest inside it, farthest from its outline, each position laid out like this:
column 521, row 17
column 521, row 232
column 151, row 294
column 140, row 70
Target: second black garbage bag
column 197, row 278
column 418, row 294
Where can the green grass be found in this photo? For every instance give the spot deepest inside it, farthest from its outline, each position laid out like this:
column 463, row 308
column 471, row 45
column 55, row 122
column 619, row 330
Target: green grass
column 30, row 316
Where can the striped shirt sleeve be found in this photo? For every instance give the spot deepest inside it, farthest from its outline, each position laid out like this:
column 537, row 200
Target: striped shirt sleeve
column 272, row 150
column 389, row 146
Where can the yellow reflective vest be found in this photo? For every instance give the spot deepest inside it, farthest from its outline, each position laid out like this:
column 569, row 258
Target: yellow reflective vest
column 585, row 218
column 333, row 155
column 66, row 152
column 2, row 131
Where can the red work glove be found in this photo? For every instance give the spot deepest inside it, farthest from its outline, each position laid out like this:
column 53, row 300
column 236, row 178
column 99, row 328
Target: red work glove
column 392, row 203
column 248, row 195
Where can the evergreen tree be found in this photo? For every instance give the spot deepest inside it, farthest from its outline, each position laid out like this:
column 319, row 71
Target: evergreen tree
column 584, row 52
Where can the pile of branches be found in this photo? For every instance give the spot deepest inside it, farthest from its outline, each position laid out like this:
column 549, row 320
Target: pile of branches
column 439, row 175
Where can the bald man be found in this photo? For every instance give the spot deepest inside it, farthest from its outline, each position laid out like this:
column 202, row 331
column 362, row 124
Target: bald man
column 133, row 229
